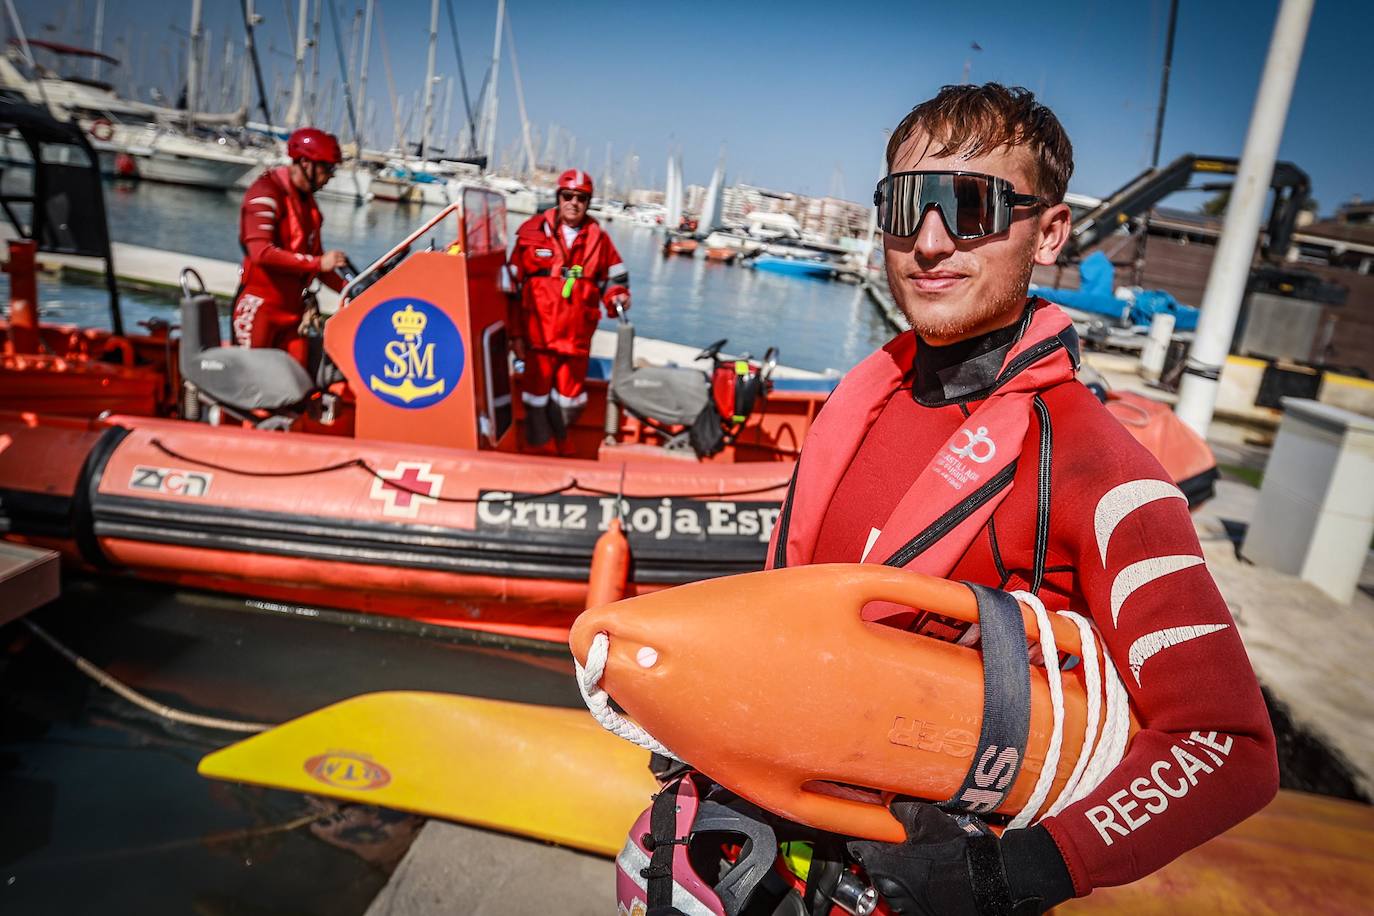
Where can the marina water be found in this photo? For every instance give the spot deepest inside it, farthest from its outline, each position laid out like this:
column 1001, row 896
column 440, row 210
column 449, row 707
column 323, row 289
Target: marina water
column 817, row 324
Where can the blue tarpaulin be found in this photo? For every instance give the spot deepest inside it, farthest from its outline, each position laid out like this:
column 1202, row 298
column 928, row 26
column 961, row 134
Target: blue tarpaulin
column 1096, row 277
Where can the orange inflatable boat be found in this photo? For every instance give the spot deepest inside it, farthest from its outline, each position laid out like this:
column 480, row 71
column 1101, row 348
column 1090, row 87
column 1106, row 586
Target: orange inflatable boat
column 907, row 708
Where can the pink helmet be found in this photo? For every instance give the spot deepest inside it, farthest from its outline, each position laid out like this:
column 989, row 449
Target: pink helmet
column 646, row 867
column 314, row 144
column 575, row 180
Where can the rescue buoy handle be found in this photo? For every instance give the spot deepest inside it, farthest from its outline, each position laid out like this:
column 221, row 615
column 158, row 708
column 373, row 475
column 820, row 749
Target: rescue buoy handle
column 941, row 596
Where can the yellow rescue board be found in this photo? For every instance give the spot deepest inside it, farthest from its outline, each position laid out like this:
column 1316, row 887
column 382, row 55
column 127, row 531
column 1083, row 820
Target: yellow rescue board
column 542, row 772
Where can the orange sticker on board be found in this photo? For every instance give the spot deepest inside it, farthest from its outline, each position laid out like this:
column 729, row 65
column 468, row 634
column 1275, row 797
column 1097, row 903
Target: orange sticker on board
column 346, row 770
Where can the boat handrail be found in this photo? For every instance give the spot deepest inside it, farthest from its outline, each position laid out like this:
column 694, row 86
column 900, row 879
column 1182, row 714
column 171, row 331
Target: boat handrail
column 399, row 247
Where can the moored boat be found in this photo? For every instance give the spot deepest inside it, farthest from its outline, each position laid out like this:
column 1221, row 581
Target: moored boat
column 797, row 267
column 680, row 245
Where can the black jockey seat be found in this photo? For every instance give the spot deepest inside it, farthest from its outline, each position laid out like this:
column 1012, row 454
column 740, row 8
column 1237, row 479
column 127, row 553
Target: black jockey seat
column 235, row 377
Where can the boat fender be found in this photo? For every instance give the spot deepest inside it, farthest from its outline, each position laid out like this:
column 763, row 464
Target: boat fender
column 101, row 129
column 610, row 566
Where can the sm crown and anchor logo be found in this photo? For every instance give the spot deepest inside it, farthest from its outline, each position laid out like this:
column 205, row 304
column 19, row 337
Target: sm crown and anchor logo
column 410, row 352
column 408, row 359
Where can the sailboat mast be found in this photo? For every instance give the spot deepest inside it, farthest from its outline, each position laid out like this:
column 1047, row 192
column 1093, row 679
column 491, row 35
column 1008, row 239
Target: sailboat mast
column 362, row 78
column 520, row 97
column 293, row 114
column 97, row 36
column 251, row 21
column 448, row 112
column 193, row 65
column 489, row 107
column 427, row 123
column 312, row 108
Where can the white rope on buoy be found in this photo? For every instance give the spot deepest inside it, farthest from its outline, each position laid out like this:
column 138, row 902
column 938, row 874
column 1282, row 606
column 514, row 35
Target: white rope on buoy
column 1115, row 733
column 1050, row 651
column 1092, row 683
column 598, row 701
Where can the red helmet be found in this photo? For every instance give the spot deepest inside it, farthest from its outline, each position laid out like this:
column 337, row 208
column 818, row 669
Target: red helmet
column 575, row 180
column 314, row 144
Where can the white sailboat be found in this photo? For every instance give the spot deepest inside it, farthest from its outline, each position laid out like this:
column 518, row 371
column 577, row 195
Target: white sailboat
column 672, row 193
column 711, row 207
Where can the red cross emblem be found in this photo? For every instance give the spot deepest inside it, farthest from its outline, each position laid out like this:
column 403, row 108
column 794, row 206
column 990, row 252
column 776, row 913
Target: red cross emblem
column 406, row 487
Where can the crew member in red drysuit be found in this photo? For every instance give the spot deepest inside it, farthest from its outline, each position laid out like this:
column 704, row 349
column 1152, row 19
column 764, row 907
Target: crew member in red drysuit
column 565, row 267
column 279, row 231
column 966, row 449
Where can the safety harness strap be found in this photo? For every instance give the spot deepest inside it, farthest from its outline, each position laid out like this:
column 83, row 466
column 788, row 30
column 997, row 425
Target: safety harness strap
column 1006, row 705
column 660, row 841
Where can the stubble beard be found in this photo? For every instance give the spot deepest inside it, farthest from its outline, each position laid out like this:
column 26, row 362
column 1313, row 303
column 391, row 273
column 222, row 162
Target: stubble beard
column 979, row 317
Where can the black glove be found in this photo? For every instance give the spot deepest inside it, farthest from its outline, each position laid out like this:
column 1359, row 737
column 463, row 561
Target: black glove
column 943, row 869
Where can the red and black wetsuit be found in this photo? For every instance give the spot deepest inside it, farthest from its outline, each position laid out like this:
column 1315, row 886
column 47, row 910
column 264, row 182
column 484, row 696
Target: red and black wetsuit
column 1121, row 547
column 279, row 231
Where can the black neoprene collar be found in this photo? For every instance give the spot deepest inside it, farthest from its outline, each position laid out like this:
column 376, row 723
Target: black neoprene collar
column 965, row 371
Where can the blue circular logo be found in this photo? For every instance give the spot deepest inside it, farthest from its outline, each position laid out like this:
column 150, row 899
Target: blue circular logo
column 409, row 353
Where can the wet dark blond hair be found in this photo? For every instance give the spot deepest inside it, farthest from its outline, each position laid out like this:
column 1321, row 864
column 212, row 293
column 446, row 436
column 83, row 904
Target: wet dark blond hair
column 970, row 120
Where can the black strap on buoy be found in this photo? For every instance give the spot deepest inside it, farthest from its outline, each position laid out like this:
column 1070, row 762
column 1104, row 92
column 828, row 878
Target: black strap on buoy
column 1001, row 747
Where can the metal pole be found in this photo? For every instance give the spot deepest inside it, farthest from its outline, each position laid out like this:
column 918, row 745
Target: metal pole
column 427, row 122
column 1138, row 270
column 1236, row 248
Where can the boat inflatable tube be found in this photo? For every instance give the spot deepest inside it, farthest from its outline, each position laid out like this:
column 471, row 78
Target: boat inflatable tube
column 788, row 688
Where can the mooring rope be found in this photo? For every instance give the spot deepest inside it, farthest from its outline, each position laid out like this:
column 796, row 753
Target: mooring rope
column 109, row 682
column 572, row 484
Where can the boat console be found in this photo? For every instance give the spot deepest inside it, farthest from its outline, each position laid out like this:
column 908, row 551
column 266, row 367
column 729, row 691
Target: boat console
column 422, row 338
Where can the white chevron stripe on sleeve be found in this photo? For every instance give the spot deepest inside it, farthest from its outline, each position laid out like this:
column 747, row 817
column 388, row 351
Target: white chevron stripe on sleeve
column 1138, row 575
column 265, row 201
column 1151, row 644
column 1120, row 501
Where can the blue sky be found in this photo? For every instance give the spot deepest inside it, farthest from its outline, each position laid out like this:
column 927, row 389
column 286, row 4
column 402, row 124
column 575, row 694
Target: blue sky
column 801, row 93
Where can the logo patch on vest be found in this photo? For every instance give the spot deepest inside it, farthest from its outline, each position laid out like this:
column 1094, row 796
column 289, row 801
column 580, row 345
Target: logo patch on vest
column 543, row 252
column 978, row 447
column 410, row 353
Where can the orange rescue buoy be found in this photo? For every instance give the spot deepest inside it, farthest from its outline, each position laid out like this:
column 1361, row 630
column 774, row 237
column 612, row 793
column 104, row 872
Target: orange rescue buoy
column 776, row 686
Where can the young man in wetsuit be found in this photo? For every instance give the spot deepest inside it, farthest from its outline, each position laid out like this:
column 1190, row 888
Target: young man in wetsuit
column 966, row 449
